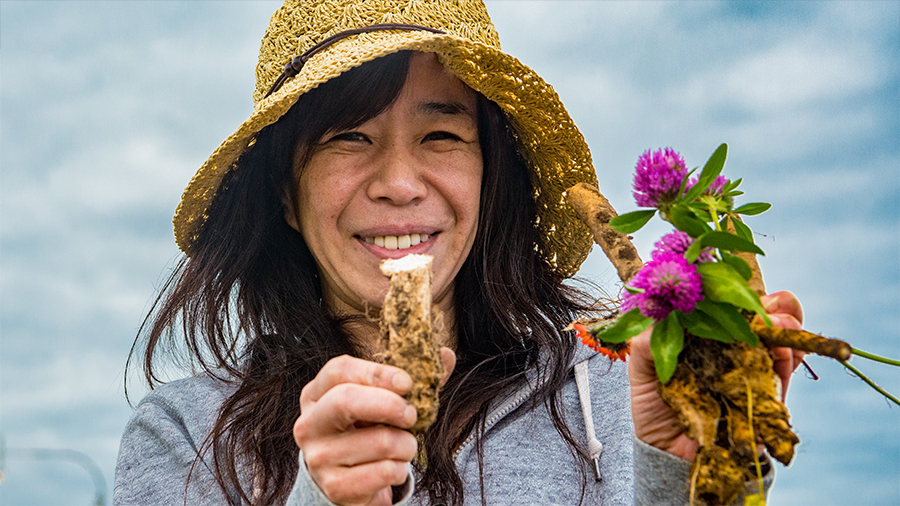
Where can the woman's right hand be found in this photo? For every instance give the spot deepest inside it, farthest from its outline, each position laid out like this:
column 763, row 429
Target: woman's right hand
column 352, row 429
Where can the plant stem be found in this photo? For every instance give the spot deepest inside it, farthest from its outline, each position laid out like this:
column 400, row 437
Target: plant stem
column 761, row 494
column 870, row 382
column 876, row 358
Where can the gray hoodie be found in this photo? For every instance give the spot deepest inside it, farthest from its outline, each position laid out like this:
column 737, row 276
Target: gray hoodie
column 526, row 461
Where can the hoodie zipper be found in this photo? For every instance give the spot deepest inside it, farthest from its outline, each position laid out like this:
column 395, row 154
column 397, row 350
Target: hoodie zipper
column 504, row 410
column 436, row 494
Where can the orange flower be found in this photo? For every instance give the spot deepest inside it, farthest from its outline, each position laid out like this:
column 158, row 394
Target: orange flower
column 615, row 351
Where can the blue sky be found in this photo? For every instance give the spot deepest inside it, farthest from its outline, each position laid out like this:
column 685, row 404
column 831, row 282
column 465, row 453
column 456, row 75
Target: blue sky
column 108, row 108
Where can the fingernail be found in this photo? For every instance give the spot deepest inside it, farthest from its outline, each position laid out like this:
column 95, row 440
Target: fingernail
column 401, row 382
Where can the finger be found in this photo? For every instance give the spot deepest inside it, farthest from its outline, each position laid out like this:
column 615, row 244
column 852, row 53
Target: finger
column 361, row 446
column 640, row 367
column 347, row 369
column 783, row 365
column 783, row 302
column 347, row 404
column 448, row 358
column 368, row 484
column 785, row 321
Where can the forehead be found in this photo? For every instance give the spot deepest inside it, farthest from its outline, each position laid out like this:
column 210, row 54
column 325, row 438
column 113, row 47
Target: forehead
column 433, row 88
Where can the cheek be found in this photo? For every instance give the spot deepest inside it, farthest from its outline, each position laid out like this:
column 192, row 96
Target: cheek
column 322, row 195
column 462, row 186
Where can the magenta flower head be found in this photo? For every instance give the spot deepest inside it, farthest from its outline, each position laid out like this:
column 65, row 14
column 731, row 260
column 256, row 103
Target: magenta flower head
column 658, row 177
column 668, row 283
column 678, row 242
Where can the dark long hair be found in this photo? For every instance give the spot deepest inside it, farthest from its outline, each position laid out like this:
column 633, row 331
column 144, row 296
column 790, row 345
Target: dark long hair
column 246, row 305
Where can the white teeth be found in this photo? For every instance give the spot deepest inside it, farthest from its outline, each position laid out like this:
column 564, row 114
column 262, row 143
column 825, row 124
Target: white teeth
column 397, row 241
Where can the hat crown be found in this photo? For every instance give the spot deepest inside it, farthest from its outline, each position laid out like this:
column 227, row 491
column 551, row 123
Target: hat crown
column 300, row 24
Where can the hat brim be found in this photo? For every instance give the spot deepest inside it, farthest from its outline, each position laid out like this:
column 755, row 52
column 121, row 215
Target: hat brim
column 552, row 144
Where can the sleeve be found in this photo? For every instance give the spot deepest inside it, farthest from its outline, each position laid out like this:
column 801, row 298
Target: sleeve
column 307, row 493
column 158, row 464
column 662, row 479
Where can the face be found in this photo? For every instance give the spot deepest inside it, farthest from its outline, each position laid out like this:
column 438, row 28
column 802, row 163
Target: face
column 407, row 181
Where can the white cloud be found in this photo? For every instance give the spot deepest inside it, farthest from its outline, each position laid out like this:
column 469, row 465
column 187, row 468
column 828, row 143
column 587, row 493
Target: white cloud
column 109, row 107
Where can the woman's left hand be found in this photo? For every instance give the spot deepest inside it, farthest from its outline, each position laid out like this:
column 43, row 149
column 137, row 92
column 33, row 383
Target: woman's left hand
column 655, row 423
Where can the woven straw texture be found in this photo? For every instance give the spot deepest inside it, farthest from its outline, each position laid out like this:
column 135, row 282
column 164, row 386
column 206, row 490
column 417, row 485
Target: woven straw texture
column 470, row 49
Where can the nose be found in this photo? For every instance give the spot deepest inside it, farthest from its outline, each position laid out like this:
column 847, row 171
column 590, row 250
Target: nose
column 397, row 179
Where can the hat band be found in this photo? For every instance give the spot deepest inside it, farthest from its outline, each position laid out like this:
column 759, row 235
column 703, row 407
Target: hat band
column 294, row 66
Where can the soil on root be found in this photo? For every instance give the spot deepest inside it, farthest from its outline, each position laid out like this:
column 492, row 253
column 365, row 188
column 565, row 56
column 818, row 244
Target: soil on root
column 709, row 392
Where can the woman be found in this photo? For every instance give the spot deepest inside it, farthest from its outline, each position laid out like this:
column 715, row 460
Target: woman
column 400, row 129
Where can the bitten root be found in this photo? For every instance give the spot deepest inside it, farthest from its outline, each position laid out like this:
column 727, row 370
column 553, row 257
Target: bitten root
column 406, row 333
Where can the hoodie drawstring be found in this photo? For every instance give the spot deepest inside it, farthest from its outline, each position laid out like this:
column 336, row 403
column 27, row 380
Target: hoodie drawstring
column 595, row 447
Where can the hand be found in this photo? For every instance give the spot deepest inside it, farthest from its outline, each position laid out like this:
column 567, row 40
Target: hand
column 351, row 429
column 785, row 312
column 655, row 423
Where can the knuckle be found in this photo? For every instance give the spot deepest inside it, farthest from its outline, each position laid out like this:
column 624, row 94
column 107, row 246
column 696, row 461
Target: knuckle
column 336, row 369
column 301, row 429
column 314, row 457
column 384, row 440
column 393, row 472
column 343, row 394
column 306, row 393
column 331, row 485
column 378, row 374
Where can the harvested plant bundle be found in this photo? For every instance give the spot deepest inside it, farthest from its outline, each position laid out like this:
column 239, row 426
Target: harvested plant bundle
column 700, row 293
column 406, row 333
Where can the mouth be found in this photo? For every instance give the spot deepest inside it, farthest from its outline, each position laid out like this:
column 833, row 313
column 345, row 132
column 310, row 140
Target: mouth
column 397, row 242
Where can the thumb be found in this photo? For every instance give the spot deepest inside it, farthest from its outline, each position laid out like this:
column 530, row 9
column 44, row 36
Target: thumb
column 641, row 368
column 448, row 358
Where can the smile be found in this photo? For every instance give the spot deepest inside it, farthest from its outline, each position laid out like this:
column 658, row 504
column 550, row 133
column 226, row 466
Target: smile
column 397, row 241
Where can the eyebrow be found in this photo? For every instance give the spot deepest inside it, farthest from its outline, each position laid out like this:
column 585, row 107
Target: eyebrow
column 443, row 108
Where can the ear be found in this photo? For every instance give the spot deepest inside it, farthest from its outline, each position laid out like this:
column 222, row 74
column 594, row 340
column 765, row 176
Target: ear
column 289, row 204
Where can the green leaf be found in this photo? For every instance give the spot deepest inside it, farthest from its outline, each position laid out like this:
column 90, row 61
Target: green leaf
column 693, row 252
column 753, row 208
column 731, row 185
column 710, row 171
column 703, row 325
column 728, row 318
column 729, row 242
column 666, row 342
column 630, row 223
column 738, row 263
column 629, row 325
column 742, row 230
column 684, row 181
column 684, row 220
column 722, row 283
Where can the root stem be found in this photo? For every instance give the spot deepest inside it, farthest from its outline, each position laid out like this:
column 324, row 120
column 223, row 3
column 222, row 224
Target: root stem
column 803, row 341
column 595, row 211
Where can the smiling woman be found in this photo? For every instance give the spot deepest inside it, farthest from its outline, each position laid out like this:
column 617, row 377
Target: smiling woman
column 414, row 134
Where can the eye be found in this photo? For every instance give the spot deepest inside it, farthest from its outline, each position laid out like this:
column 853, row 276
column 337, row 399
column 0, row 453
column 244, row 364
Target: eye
column 440, row 136
column 348, row 137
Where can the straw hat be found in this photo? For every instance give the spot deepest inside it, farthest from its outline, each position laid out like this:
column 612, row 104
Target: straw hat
column 462, row 36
